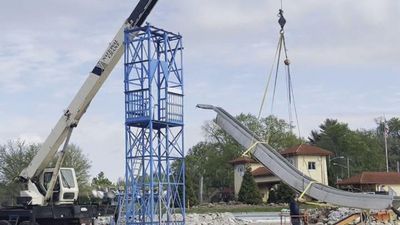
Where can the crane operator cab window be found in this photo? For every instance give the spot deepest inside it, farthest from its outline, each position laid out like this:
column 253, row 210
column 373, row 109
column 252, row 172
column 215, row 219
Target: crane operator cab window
column 46, row 183
column 46, row 179
column 65, row 193
column 67, row 178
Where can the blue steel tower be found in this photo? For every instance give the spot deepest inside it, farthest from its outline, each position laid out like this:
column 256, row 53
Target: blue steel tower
column 155, row 167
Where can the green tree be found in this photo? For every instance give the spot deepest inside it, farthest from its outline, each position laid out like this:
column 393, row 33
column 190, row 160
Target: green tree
column 393, row 139
column 14, row 157
column 284, row 193
column 191, row 195
column 101, row 181
column 358, row 146
column 249, row 192
column 210, row 161
column 210, row 158
column 191, row 179
column 74, row 158
column 279, row 134
column 272, row 196
column 276, row 131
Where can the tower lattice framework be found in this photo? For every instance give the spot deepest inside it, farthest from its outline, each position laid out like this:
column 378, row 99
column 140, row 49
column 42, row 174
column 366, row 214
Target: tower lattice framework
column 155, row 167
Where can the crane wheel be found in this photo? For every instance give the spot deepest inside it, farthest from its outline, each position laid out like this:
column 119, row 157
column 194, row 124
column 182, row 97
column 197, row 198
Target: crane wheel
column 28, row 223
column 4, row 222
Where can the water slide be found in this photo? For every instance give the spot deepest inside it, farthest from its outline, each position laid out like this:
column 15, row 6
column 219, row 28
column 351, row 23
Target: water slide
column 289, row 174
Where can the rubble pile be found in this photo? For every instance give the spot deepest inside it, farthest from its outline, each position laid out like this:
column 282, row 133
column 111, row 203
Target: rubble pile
column 316, row 216
column 213, row 218
column 340, row 213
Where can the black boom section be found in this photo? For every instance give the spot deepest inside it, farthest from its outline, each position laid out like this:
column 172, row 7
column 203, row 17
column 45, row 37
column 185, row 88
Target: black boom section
column 141, row 11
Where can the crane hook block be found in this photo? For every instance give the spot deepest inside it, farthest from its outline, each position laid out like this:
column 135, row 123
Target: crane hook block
column 282, row 20
column 287, row 62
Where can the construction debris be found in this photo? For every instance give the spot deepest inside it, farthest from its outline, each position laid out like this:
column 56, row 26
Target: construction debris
column 317, row 216
column 340, row 214
column 213, row 218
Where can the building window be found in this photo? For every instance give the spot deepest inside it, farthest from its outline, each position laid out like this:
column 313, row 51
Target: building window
column 311, row 165
column 240, row 169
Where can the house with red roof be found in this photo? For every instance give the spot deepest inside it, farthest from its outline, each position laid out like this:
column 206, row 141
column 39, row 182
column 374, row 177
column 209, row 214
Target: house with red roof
column 372, row 182
column 310, row 160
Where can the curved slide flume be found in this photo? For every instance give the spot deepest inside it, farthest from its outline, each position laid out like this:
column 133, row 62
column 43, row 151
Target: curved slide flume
column 274, row 161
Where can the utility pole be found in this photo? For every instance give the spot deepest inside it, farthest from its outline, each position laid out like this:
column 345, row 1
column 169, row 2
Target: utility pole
column 386, row 152
column 348, row 167
column 201, row 189
column 385, row 134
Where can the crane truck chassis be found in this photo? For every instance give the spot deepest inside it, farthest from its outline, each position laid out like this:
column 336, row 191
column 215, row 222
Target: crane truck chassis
column 54, row 214
column 50, row 197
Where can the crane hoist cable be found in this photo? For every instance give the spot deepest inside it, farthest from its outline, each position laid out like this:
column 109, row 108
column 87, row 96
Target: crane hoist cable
column 281, row 50
column 275, row 61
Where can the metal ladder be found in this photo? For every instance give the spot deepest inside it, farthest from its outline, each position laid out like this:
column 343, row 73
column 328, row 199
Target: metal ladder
column 121, row 211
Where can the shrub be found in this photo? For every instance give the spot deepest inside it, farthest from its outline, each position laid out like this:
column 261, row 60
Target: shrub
column 249, row 192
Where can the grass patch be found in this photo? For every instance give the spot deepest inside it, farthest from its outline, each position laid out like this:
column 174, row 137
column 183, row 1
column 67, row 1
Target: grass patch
column 234, row 209
column 242, row 208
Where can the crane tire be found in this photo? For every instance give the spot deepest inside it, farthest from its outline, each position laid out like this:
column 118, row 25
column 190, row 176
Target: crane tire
column 4, row 222
column 28, row 223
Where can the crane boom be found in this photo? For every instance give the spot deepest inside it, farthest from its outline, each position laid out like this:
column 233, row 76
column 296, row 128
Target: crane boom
column 86, row 93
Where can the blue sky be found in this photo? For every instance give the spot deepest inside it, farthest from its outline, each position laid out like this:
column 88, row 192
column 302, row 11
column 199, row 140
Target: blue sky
column 345, row 64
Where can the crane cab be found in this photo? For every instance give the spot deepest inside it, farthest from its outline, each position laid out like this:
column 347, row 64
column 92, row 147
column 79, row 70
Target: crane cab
column 66, row 188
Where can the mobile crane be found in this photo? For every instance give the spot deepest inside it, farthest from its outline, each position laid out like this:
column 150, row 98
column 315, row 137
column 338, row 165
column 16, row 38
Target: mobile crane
column 50, row 194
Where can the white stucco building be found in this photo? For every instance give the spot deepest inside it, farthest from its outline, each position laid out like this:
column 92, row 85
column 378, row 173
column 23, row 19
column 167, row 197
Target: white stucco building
column 310, row 160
